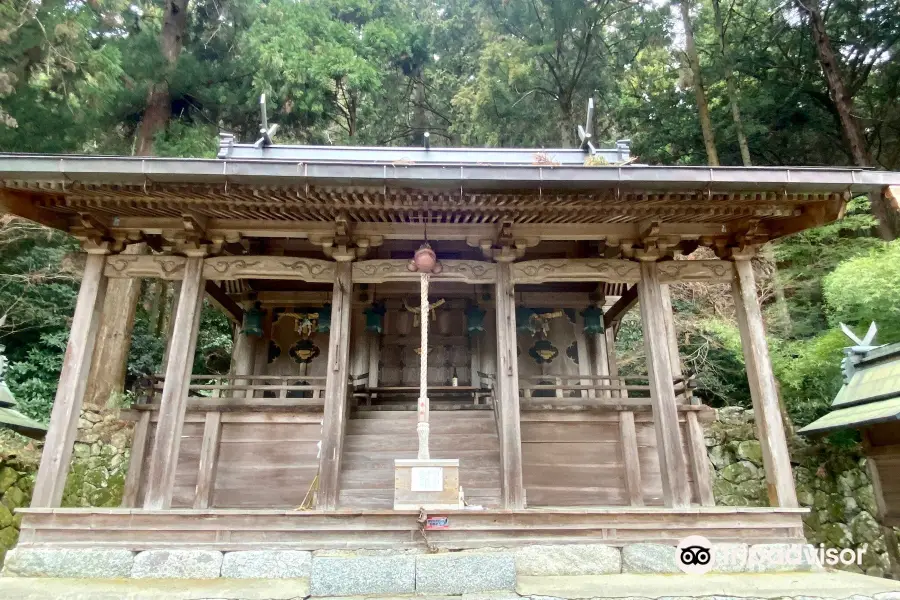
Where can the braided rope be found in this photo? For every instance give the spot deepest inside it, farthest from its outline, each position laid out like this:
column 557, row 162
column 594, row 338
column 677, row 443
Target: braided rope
column 422, row 427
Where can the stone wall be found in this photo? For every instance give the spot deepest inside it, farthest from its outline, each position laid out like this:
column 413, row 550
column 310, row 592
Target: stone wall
column 96, row 477
column 831, row 481
column 16, row 484
column 100, row 459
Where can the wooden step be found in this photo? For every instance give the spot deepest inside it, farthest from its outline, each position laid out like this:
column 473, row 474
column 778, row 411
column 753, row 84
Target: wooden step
column 450, row 441
column 408, row 427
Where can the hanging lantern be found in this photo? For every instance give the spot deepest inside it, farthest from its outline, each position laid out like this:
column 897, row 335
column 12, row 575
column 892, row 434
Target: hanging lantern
column 324, row 322
column 524, row 322
column 593, row 320
column 475, row 319
column 253, row 320
column 375, row 317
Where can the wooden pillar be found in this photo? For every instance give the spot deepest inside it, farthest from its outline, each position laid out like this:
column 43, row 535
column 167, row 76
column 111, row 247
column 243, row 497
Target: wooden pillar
column 110, row 361
column 136, row 461
column 167, row 441
column 672, row 467
column 243, row 357
column 608, row 341
column 60, row 440
column 335, row 415
column 671, row 334
column 584, row 360
column 507, row 396
column 763, row 390
column 261, row 359
column 209, row 460
column 630, row 460
column 881, row 508
column 170, row 324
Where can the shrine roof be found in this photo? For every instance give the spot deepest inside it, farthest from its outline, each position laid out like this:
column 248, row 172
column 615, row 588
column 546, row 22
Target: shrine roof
column 464, row 187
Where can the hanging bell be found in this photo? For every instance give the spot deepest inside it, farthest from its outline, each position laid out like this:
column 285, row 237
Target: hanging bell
column 253, row 320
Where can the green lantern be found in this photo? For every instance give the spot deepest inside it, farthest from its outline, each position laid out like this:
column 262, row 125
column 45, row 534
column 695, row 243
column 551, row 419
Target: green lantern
column 474, row 319
column 375, row 317
column 524, row 322
column 324, row 320
column 253, row 320
column 593, row 320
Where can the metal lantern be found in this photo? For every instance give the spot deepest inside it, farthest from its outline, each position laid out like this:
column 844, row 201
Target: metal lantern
column 475, row 319
column 375, row 317
column 524, row 322
column 593, row 320
column 253, row 320
column 324, row 320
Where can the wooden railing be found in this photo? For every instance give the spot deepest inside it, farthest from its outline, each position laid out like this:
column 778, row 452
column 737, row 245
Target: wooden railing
column 595, row 390
column 242, row 390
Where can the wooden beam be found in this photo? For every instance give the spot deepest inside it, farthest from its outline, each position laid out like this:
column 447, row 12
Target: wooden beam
column 763, row 390
column 268, row 228
column 617, row 311
column 150, row 266
column 221, row 299
column 699, row 459
column 618, row 270
column 60, row 440
column 631, row 463
column 269, row 267
column 511, row 489
column 672, row 466
column 167, row 442
column 382, row 270
column 22, row 204
column 136, row 460
column 209, row 460
column 335, row 416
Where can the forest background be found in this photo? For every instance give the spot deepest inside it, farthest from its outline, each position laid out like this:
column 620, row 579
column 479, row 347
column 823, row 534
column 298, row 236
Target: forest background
column 730, row 82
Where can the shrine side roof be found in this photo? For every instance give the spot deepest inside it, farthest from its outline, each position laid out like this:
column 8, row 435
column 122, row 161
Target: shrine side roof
column 871, row 396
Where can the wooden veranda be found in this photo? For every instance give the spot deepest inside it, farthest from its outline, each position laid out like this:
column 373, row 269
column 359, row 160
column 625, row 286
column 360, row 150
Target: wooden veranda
column 554, row 444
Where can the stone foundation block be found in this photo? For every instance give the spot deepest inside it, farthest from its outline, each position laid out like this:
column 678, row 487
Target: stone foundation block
column 649, row 558
column 458, row 573
column 267, row 564
column 177, row 564
column 70, row 562
column 730, row 558
column 353, row 575
column 574, row 559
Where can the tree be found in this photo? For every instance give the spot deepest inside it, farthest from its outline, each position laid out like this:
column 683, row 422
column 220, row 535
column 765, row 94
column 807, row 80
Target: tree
column 158, row 110
column 706, row 126
column 731, row 86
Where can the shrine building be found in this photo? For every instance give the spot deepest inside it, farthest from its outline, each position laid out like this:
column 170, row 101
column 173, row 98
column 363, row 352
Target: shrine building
column 424, row 344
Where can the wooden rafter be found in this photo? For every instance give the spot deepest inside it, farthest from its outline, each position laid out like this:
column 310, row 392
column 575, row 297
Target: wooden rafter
column 221, row 299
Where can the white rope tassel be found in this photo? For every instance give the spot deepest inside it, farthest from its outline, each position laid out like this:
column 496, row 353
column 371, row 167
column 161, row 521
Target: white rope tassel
column 422, row 425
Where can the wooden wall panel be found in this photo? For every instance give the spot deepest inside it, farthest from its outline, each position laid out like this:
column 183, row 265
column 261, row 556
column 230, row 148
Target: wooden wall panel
column 267, row 460
column 576, row 459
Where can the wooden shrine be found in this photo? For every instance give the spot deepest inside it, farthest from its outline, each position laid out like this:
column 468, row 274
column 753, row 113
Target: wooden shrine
column 308, row 250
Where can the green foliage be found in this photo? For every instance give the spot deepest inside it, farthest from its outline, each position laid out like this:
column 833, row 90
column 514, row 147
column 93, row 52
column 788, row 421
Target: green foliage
column 33, row 378
column 806, row 258
column 867, row 288
column 810, row 373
